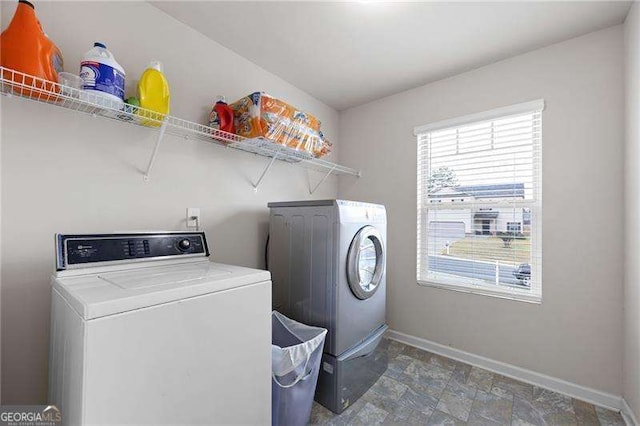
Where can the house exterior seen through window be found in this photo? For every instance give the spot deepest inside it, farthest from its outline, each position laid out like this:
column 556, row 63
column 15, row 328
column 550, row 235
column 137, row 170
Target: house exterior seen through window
column 480, row 202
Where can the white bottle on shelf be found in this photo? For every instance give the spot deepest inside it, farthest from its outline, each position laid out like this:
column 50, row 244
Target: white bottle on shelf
column 102, row 77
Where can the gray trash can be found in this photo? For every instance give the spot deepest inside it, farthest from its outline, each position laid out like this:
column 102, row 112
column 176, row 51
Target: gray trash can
column 296, row 351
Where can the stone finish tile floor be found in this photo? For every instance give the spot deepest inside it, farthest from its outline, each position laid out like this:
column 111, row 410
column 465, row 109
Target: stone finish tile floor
column 421, row 388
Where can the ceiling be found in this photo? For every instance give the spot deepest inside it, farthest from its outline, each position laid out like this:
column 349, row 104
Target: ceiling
column 349, row 53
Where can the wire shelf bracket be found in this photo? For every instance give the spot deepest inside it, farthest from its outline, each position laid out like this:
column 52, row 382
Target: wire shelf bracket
column 154, row 154
column 311, row 191
column 264, row 172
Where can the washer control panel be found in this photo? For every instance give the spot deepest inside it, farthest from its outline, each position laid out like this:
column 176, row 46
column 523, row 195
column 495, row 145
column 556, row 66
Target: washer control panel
column 75, row 251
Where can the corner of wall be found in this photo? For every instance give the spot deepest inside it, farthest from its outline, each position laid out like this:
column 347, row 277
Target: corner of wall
column 631, row 286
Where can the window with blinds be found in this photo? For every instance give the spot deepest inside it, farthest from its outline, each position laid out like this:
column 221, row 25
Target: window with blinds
column 480, row 203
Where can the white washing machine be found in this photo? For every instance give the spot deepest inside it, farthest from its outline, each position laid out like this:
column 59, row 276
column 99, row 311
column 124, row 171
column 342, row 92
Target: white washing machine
column 146, row 330
column 327, row 260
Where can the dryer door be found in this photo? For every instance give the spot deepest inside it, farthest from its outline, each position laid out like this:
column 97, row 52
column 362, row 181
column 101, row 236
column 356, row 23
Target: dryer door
column 365, row 262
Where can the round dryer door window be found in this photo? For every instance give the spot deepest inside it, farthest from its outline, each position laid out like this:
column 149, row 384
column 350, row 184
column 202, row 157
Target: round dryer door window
column 365, row 262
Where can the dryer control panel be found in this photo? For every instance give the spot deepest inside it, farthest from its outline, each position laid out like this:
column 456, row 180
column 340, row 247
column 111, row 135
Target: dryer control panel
column 77, row 251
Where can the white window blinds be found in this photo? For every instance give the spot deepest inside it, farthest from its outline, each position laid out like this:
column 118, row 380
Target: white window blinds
column 479, row 202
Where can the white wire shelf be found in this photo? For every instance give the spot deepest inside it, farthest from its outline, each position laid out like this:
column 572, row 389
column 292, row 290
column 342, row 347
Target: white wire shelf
column 15, row 83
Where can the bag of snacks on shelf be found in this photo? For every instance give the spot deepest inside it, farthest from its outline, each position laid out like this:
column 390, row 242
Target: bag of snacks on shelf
column 260, row 115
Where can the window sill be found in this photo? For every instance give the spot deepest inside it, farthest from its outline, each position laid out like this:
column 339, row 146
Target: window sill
column 486, row 291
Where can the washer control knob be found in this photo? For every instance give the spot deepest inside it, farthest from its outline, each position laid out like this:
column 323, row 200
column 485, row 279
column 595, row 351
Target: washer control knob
column 184, row 244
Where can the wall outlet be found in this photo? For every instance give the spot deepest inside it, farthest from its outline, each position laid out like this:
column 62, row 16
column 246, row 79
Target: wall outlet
column 193, row 217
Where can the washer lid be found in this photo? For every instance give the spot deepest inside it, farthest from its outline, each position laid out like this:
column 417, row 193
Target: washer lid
column 102, row 294
column 164, row 275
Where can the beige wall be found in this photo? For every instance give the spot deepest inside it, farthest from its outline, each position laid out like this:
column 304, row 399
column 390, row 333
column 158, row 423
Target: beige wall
column 631, row 364
column 576, row 333
column 66, row 172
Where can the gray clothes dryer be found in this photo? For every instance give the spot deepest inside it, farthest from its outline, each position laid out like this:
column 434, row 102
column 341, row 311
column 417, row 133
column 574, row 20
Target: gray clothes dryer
column 327, row 260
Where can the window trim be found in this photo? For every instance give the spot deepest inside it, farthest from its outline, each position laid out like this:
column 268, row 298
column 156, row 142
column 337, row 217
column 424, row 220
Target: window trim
column 536, row 209
column 522, row 108
column 517, row 295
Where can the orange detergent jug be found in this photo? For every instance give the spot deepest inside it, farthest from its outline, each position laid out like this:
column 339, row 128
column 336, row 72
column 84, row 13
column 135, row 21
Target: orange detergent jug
column 221, row 116
column 25, row 48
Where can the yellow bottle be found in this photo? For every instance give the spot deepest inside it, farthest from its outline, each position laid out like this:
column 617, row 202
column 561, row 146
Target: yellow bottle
column 153, row 94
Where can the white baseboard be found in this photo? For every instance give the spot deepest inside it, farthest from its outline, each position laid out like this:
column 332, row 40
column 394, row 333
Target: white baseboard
column 628, row 415
column 596, row 397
